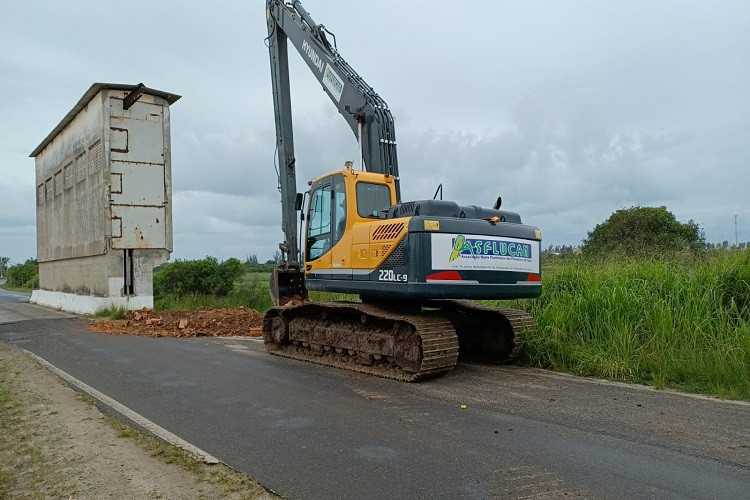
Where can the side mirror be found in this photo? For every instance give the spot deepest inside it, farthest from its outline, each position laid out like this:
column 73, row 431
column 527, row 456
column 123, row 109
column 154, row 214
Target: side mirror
column 298, row 202
column 498, row 203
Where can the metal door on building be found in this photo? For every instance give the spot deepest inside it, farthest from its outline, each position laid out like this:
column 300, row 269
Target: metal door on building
column 137, row 193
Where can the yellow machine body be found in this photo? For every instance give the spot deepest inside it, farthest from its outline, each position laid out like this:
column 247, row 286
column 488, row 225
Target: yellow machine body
column 366, row 240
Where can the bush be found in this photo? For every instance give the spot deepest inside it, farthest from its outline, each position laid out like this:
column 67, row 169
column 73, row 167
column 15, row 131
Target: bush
column 24, row 275
column 205, row 277
column 651, row 232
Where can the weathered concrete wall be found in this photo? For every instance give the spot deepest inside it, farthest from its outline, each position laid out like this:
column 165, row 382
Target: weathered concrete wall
column 104, row 192
column 101, row 275
column 144, row 263
column 71, row 189
column 82, row 275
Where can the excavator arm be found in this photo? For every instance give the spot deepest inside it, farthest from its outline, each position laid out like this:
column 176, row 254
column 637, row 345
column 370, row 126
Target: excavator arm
column 364, row 110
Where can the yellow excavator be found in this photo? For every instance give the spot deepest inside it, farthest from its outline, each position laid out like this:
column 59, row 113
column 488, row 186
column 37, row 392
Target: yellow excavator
column 413, row 264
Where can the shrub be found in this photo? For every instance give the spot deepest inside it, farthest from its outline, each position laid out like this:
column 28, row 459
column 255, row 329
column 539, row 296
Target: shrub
column 206, row 276
column 24, row 275
column 651, row 232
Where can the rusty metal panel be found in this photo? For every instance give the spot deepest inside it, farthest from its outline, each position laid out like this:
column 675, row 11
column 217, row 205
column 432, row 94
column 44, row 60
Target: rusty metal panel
column 137, row 134
column 137, row 177
column 137, row 227
column 137, row 184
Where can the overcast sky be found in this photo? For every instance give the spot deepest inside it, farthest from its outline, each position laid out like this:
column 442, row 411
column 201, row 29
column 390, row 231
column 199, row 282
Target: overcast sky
column 568, row 110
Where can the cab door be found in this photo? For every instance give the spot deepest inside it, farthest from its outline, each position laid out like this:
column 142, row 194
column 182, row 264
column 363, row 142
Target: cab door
column 341, row 252
column 319, row 233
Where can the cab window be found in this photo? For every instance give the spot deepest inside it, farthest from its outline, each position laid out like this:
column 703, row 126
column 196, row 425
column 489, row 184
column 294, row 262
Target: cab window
column 372, row 199
column 326, row 217
column 319, row 223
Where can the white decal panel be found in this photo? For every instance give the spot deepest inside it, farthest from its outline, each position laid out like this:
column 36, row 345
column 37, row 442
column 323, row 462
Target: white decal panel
column 333, row 83
column 484, row 253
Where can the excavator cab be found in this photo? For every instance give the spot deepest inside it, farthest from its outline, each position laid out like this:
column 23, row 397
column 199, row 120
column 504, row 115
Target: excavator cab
column 341, row 207
column 336, row 220
column 326, row 216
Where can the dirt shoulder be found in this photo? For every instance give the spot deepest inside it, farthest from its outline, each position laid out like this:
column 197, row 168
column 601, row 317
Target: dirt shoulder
column 55, row 443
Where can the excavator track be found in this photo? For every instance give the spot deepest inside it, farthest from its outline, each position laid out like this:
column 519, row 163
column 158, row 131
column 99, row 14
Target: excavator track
column 388, row 342
column 364, row 338
column 487, row 334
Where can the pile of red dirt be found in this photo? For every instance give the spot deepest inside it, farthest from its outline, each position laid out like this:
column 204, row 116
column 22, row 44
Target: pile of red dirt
column 238, row 321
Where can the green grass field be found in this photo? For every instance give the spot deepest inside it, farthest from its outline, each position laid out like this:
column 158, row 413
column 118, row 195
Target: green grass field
column 679, row 324
column 12, row 288
column 250, row 291
column 684, row 325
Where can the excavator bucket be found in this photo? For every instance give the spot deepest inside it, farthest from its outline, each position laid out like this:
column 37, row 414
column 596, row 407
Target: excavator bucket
column 287, row 287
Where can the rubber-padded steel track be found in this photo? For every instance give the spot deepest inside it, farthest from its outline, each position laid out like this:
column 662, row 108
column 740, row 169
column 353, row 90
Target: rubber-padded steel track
column 485, row 333
column 364, row 338
column 384, row 340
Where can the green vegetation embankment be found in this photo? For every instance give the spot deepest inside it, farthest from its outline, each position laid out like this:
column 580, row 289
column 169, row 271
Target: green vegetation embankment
column 682, row 324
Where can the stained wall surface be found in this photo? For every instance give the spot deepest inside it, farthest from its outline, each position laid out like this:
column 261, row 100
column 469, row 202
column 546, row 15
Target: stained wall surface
column 103, row 195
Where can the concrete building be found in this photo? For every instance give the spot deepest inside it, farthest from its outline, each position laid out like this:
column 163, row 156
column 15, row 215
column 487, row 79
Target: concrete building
column 104, row 200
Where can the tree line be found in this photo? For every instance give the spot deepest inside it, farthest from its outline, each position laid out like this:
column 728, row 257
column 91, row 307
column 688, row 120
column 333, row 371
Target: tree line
column 652, row 232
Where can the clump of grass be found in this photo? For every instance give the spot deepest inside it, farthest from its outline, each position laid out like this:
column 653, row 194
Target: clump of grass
column 86, row 399
column 112, row 312
column 333, row 297
column 189, row 302
column 229, row 480
column 681, row 324
column 167, row 452
column 5, row 397
column 13, row 288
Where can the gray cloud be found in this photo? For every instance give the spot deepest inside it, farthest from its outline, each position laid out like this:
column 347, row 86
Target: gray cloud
column 569, row 111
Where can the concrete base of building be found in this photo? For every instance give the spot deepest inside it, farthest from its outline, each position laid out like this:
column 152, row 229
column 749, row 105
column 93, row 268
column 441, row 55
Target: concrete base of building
column 88, row 304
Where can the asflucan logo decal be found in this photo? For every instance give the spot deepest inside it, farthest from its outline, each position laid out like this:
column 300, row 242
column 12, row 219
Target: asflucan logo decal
column 479, row 252
column 483, row 248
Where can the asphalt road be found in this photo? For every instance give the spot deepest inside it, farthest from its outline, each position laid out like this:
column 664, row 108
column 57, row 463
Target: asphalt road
column 308, row 431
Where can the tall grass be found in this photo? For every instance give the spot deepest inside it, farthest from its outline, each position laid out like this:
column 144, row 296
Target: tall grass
column 251, row 290
column 682, row 324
